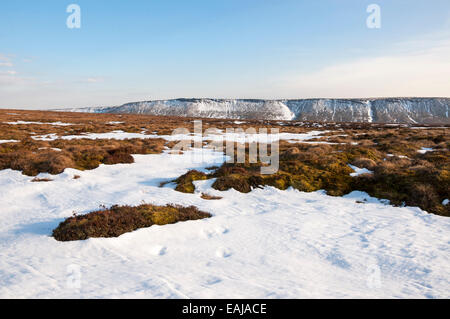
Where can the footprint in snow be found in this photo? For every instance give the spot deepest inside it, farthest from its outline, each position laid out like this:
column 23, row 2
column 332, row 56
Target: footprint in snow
column 208, row 233
column 223, row 253
column 221, row 230
column 158, row 250
column 212, row 280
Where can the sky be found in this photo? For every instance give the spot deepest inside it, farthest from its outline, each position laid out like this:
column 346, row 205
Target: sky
column 138, row 50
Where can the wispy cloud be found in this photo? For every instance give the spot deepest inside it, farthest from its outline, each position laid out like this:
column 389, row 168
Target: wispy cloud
column 5, row 61
column 423, row 69
column 8, row 76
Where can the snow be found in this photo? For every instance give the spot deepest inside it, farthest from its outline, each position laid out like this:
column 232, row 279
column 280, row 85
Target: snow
column 327, row 110
column 370, row 115
column 445, row 202
column 8, row 141
column 39, row 123
column 118, row 135
column 264, row 138
column 265, row 244
column 430, row 127
column 359, row 171
column 424, row 150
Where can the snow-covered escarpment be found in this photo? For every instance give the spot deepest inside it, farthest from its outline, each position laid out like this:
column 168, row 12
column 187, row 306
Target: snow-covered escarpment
column 207, row 108
column 382, row 110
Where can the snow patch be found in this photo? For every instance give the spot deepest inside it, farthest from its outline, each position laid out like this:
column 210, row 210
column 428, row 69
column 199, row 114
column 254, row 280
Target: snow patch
column 424, row 150
column 8, row 141
column 39, row 123
column 218, row 136
column 359, row 171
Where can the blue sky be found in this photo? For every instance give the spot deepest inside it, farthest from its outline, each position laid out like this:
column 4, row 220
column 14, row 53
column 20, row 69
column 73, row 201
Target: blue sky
column 140, row 50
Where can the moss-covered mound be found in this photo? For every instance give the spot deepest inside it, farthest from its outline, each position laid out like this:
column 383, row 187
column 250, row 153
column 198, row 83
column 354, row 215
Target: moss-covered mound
column 184, row 182
column 118, row 220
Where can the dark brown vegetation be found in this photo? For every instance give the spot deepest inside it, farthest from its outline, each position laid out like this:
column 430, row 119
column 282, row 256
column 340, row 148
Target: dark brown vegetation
column 118, row 220
column 37, row 180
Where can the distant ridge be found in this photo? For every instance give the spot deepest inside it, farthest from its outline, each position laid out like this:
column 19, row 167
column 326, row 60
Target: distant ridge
column 377, row 110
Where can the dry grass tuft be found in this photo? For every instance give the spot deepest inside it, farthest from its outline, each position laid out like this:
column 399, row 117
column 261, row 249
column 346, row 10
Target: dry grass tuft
column 38, row 180
column 210, row 197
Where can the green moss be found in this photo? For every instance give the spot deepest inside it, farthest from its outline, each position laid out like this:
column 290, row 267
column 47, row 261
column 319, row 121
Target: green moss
column 239, row 183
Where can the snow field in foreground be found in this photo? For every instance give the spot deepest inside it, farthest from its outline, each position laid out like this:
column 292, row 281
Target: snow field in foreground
column 265, row 244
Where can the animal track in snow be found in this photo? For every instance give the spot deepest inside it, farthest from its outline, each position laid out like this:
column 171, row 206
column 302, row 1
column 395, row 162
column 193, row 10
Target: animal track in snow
column 212, row 280
column 223, row 253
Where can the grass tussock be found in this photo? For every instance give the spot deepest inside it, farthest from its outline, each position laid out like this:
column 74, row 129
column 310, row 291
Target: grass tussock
column 119, row 220
column 210, row 197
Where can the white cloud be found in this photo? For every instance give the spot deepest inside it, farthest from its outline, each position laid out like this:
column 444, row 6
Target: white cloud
column 10, row 82
column 5, row 61
column 423, row 71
